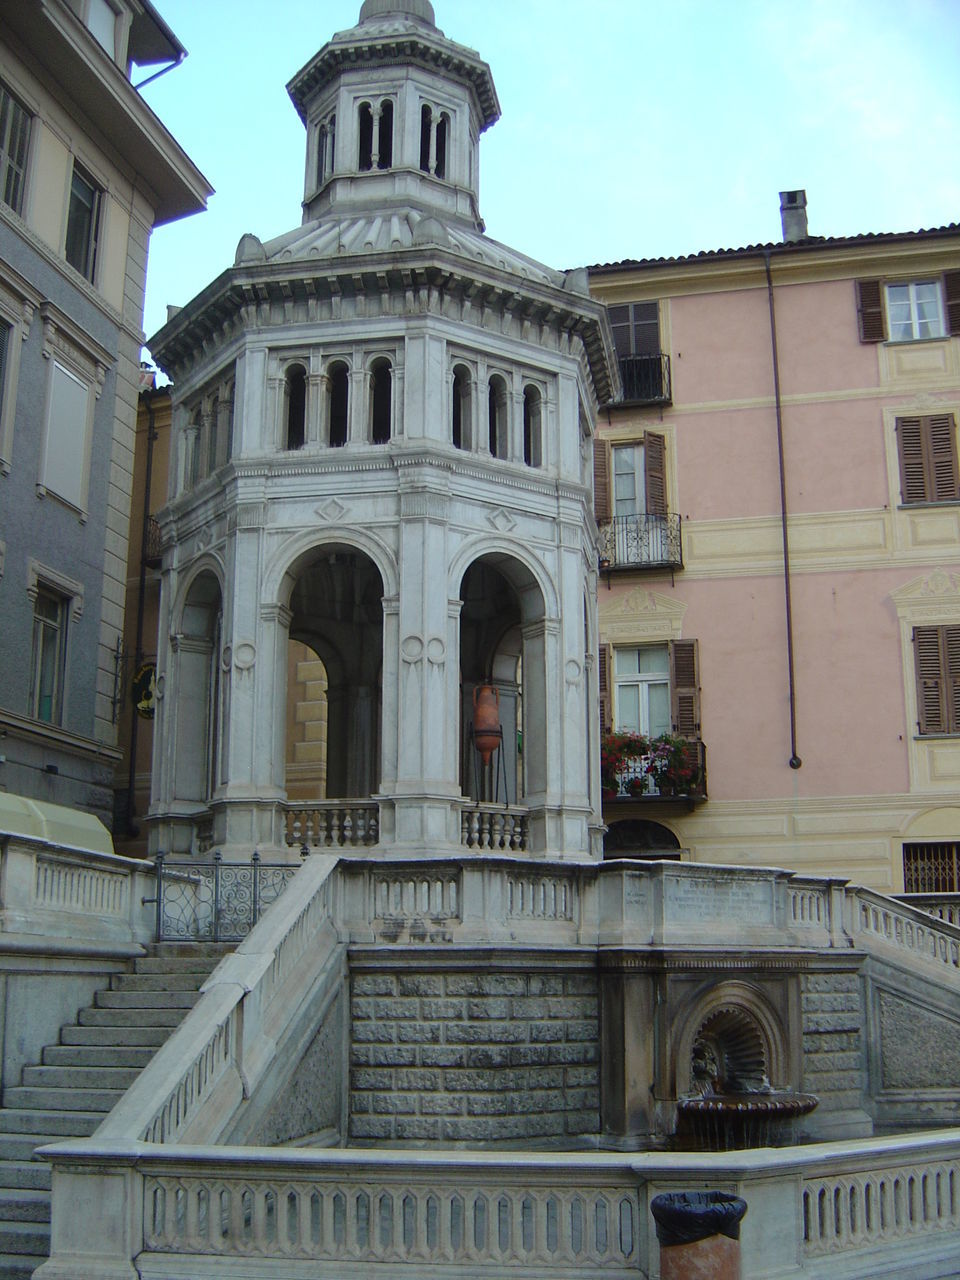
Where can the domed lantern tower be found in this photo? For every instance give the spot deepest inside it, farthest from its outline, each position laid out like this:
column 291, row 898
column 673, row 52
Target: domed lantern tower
column 383, row 452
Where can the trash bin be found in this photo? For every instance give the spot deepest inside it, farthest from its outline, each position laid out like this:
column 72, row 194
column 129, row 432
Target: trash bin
column 699, row 1234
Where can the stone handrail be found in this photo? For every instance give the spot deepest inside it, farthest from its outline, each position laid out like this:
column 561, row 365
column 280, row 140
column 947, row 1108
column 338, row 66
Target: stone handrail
column 192, row 1087
column 945, row 906
column 498, row 828
column 910, row 933
column 75, row 894
column 828, row 1209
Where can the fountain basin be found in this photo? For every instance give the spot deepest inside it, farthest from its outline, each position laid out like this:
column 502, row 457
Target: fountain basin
column 736, row 1121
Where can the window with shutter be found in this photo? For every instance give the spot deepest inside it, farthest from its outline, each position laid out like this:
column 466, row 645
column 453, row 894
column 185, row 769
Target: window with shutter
column 870, row 311
column 951, row 289
column 937, row 657
column 604, row 665
column 927, row 446
column 601, row 481
column 654, row 462
column 656, row 688
column 685, row 688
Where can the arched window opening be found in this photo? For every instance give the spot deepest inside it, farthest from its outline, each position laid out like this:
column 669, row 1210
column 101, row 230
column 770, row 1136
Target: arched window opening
column 338, row 382
column 426, row 125
column 321, row 154
column 199, row 721
column 213, row 424
column 532, row 445
column 381, row 384
column 385, row 158
column 365, row 159
column 331, row 146
column 497, row 415
column 296, row 398
column 461, row 407
column 443, row 125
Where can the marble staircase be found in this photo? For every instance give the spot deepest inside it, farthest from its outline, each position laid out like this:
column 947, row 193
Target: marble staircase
column 79, row 1079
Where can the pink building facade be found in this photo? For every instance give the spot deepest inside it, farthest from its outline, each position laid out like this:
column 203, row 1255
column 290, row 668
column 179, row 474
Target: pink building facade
column 779, row 511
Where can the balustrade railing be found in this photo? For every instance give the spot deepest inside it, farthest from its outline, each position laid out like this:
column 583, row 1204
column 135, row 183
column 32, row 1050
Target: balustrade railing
column 333, row 824
column 916, row 934
column 497, row 827
column 943, row 906
column 634, row 541
column 215, row 901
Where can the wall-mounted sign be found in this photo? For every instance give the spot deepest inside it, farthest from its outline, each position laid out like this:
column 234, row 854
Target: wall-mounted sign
column 145, row 690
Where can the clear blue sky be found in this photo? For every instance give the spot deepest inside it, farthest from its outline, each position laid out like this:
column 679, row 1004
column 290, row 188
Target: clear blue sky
column 630, row 128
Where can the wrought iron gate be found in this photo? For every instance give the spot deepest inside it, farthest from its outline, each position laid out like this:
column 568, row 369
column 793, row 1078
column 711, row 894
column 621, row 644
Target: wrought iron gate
column 215, row 901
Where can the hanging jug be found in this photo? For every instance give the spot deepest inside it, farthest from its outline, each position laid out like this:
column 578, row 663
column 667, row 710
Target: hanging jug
column 486, row 721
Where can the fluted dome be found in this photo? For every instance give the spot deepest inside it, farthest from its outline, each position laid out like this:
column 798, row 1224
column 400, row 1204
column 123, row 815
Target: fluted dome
column 421, row 9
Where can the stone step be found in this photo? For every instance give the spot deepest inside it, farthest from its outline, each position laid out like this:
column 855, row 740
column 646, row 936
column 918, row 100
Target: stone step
column 79, row 1077
column 62, row 1099
column 68, row 1124
column 75, row 1055
column 25, row 1237
column 131, row 1018
column 178, row 980
column 101, row 1037
column 32, row 1174
column 209, row 952
column 20, row 1205
column 17, row 1148
column 17, row 1266
column 146, row 999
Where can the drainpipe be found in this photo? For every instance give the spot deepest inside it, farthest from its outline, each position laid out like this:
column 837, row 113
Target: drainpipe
column 132, row 828
column 795, row 762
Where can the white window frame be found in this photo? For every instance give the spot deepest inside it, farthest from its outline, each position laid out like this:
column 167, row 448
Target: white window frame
column 914, row 320
column 639, row 505
column 67, row 347
column 18, row 302
column 642, row 681
column 5, row 155
column 42, row 580
column 93, row 252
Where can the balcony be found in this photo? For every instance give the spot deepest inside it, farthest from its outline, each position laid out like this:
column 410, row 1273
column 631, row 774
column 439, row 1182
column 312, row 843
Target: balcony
column 646, row 379
column 641, row 542
column 674, row 771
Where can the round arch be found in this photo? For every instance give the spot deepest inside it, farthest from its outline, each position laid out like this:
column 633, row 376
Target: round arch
column 509, row 558
column 740, row 1006
column 296, row 552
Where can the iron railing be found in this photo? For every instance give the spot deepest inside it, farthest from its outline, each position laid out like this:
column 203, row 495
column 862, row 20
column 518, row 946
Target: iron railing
column 646, row 379
column 641, row 541
column 635, row 783
column 215, row 901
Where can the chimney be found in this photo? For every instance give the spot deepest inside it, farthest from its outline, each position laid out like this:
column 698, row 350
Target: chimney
column 793, row 215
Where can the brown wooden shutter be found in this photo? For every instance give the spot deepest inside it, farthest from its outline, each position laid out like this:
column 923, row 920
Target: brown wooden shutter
column 951, row 288
column 913, row 482
column 655, row 473
column 605, row 673
column 928, row 458
column 601, row 481
column 951, row 649
column 685, row 688
column 942, row 439
column 937, row 657
column 870, row 311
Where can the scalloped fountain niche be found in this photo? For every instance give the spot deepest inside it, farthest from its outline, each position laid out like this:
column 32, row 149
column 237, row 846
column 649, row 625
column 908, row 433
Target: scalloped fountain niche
column 730, row 1104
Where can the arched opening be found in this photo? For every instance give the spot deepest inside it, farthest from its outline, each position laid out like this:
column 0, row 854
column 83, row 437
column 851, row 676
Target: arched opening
column 321, row 154
column 365, row 157
column 213, row 425
column 497, row 416
column 199, row 715
column 426, row 125
column 502, row 645
column 640, row 838
column 295, row 395
column 338, row 382
column 381, row 385
column 532, row 436
column 443, row 128
column 338, row 616
column 385, row 135
column 306, row 771
column 460, row 415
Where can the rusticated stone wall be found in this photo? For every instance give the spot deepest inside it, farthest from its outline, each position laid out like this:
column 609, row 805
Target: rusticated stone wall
column 833, row 1048
column 474, row 1057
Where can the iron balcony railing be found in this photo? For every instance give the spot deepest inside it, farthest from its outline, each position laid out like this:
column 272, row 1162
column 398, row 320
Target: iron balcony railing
column 215, row 901
column 636, row 782
column 641, row 541
column 646, row 379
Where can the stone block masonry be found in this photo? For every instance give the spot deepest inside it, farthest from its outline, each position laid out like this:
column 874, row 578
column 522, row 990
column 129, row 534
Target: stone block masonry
column 833, row 1050
column 474, row 1057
